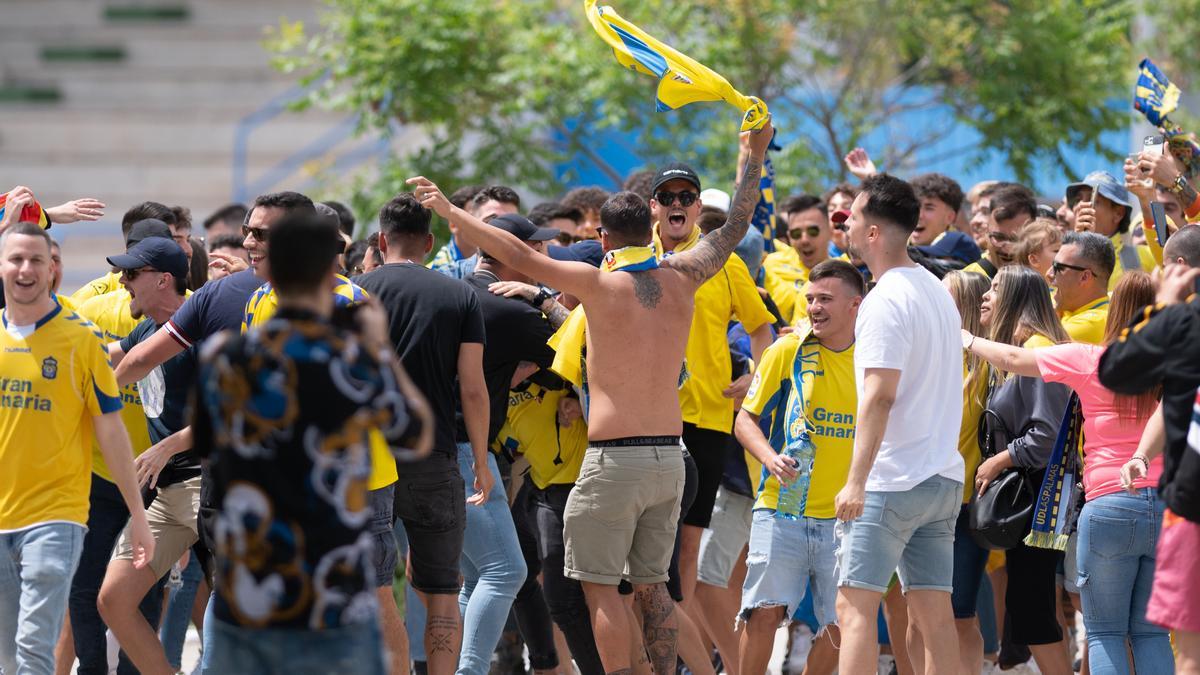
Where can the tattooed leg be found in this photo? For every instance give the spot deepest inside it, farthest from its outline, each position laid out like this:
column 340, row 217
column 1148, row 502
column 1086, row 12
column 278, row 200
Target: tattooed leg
column 443, row 633
column 660, row 626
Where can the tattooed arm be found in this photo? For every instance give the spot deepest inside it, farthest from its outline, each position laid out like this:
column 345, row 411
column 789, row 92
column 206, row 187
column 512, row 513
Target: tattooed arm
column 709, row 256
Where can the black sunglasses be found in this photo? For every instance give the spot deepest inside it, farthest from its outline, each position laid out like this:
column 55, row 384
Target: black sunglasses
column 132, row 274
column 812, row 231
column 1058, row 267
column 260, row 233
column 686, row 198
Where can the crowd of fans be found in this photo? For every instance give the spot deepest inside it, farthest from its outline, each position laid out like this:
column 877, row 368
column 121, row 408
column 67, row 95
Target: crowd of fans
column 258, row 428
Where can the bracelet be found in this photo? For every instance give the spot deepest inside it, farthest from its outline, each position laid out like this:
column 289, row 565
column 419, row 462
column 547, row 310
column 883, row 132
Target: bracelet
column 1145, row 462
column 972, row 342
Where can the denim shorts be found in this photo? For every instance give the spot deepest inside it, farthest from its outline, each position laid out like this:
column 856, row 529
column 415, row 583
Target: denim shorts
column 386, row 557
column 784, row 557
column 722, row 543
column 910, row 532
column 348, row 650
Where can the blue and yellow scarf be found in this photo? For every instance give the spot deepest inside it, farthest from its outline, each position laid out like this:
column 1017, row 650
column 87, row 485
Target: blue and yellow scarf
column 1059, row 497
column 797, row 431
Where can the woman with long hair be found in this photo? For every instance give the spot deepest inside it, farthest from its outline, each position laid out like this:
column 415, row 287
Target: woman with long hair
column 1118, row 527
column 1023, row 416
column 970, row 559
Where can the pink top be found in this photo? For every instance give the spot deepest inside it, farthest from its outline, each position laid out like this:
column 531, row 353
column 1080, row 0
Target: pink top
column 1108, row 439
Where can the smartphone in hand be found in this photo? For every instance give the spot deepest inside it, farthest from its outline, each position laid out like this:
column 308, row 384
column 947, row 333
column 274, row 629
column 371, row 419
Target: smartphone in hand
column 1154, row 144
column 1159, row 214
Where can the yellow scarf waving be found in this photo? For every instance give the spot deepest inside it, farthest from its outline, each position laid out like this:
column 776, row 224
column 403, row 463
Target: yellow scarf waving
column 681, row 80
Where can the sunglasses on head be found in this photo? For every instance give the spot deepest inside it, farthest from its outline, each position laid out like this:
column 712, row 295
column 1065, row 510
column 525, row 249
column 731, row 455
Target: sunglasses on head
column 686, row 198
column 812, row 231
column 260, row 233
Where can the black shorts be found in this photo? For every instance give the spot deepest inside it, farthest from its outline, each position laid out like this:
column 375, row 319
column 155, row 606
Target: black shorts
column 386, row 556
column 709, row 449
column 1032, row 596
column 431, row 501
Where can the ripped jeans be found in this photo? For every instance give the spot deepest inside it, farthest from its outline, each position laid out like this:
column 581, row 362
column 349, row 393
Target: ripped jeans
column 785, row 557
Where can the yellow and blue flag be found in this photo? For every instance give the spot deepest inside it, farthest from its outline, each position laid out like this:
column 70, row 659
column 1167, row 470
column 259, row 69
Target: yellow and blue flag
column 763, row 218
column 681, row 79
column 1155, row 96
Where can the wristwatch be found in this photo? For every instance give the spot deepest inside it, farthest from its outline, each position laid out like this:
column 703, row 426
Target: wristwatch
column 541, row 298
column 1178, row 184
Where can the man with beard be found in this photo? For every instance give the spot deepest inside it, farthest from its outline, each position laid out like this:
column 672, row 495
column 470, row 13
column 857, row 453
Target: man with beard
column 808, row 234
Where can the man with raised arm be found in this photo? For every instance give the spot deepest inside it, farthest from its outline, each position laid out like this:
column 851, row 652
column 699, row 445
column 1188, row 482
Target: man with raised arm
column 622, row 514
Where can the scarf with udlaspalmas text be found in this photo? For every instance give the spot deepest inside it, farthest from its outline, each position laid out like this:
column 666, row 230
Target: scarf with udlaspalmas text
column 569, row 342
column 1059, row 498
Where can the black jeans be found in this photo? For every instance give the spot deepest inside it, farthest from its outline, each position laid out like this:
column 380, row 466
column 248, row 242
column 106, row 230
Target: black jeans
column 538, row 515
column 107, row 516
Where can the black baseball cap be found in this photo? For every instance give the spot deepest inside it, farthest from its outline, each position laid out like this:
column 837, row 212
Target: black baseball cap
column 522, row 228
column 676, row 170
column 144, row 229
column 162, row 254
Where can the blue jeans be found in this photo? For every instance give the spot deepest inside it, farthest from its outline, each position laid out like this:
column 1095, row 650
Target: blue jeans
column 107, row 516
column 350, row 650
column 179, row 613
column 1118, row 534
column 493, row 568
column 36, row 566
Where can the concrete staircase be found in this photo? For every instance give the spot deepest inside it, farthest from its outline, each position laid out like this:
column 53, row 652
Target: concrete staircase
column 128, row 100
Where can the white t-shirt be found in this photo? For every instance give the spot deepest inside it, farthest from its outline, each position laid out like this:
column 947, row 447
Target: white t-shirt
column 908, row 322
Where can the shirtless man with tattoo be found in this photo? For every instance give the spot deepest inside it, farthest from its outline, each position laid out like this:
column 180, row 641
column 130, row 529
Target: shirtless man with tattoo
column 622, row 514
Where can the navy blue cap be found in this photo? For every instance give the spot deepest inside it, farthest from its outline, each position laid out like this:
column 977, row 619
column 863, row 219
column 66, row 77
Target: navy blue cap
column 587, row 251
column 956, row 245
column 522, row 228
column 162, row 254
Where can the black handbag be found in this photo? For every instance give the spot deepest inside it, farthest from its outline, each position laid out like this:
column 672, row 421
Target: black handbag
column 1000, row 518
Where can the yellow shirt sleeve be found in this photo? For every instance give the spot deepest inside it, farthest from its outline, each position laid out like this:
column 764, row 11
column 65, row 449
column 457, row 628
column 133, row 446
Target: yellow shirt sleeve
column 748, row 305
column 762, row 398
column 106, row 284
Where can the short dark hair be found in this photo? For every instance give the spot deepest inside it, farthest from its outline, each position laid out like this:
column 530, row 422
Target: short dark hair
column 198, row 268
column 303, row 248
column 289, row 202
column 587, row 198
column 1185, row 243
column 230, row 213
column 463, row 195
column 404, row 216
column 640, row 182
column 355, row 252
column 798, row 203
column 496, row 193
column 626, row 217
column 226, row 241
column 1094, row 248
column 373, row 244
column 940, row 187
column 840, row 189
column 143, row 211
column 711, row 218
column 1011, row 200
column 839, row 269
column 183, row 217
column 994, row 187
column 28, row 229
column 548, row 211
column 891, row 200
column 345, row 216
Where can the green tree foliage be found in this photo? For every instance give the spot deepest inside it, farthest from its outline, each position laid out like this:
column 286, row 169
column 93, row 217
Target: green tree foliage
column 506, row 88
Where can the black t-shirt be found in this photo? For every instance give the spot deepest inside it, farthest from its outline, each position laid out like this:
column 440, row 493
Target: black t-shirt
column 429, row 316
column 516, row 332
column 165, row 393
column 218, row 305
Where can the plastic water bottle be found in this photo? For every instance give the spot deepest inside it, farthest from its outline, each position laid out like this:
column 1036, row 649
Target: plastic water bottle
column 792, row 495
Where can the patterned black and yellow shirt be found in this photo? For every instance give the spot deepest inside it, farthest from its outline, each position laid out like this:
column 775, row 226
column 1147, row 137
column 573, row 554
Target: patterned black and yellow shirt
column 282, row 415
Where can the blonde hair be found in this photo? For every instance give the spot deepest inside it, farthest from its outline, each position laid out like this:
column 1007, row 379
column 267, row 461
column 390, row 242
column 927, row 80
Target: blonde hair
column 1035, row 236
column 967, row 289
column 1023, row 308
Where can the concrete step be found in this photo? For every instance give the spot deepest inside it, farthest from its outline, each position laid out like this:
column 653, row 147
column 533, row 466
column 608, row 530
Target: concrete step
column 151, row 51
column 38, row 14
